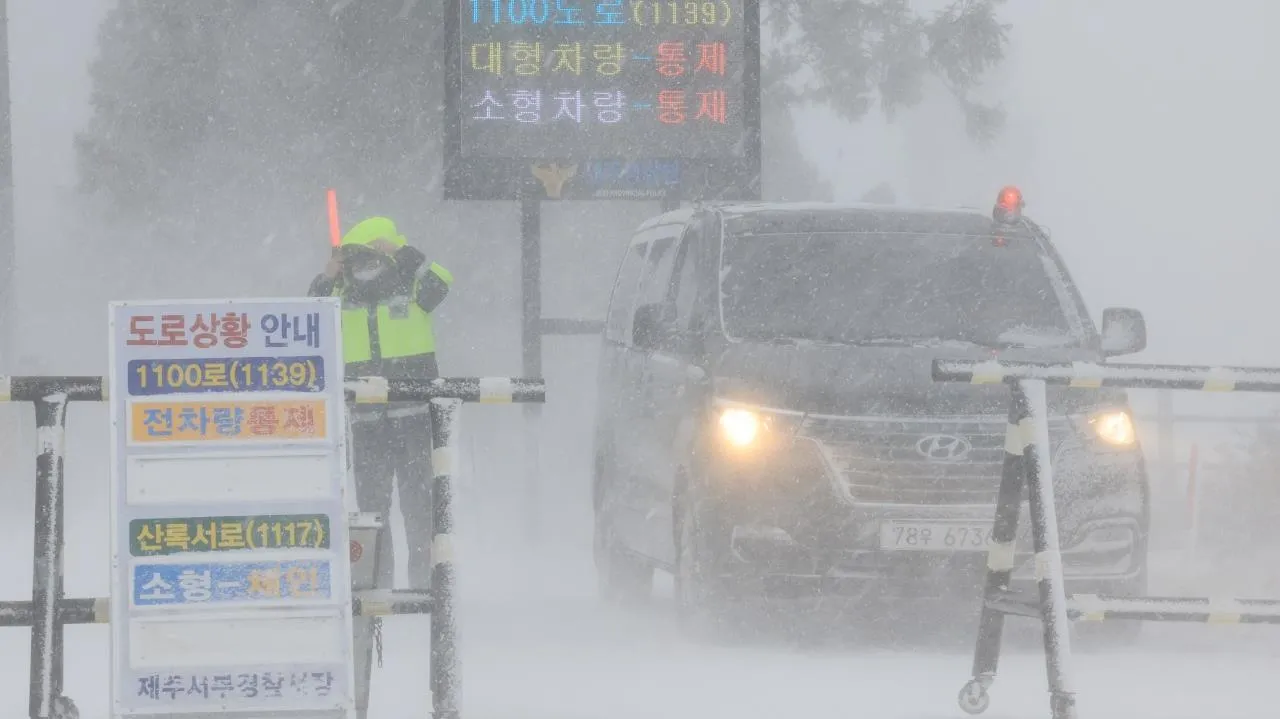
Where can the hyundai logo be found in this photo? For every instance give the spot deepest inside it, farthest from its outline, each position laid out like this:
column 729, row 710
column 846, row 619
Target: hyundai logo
column 943, row 447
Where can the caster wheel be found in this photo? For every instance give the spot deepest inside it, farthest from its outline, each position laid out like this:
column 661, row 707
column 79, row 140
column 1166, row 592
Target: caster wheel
column 974, row 698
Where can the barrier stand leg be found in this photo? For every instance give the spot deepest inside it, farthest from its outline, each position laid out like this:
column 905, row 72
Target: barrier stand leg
column 445, row 679
column 366, row 629
column 47, row 701
column 1044, row 532
column 363, row 655
column 531, row 351
column 361, row 626
column 1000, row 562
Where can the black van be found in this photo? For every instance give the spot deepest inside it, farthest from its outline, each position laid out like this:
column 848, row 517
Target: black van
column 767, row 423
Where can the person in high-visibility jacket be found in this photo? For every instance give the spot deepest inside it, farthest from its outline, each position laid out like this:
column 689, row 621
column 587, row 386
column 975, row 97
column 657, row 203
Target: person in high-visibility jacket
column 389, row 291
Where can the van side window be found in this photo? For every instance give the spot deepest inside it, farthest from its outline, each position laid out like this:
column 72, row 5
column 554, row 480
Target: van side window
column 686, row 288
column 657, row 279
column 625, row 290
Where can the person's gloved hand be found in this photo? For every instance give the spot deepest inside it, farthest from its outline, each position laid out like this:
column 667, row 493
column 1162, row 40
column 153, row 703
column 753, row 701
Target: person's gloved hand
column 334, row 267
column 385, row 246
column 406, row 259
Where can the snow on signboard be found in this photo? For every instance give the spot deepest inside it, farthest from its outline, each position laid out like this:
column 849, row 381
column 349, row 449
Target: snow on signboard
column 230, row 587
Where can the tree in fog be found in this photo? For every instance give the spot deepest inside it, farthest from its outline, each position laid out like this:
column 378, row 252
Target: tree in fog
column 269, row 99
column 851, row 56
column 277, row 100
column 154, row 95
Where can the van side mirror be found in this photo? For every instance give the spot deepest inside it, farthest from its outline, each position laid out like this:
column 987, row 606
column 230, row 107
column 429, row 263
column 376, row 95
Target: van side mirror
column 1124, row 331
column 649, row 328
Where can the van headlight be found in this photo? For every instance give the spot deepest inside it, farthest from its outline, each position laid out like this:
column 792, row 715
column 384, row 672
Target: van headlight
column 751, row 431
column 1114, row 428
column 740, row 427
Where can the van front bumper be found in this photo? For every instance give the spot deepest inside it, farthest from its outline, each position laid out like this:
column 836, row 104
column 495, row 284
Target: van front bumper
column 1106, row 556
column 817, row 516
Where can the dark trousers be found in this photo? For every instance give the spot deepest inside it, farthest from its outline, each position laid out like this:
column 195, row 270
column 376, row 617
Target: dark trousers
column 398, row 447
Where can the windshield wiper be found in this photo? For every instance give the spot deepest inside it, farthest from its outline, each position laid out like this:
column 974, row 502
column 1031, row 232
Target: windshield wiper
column 797, row 339
column 1032, row 342
column 883, row 340
column 908, row 340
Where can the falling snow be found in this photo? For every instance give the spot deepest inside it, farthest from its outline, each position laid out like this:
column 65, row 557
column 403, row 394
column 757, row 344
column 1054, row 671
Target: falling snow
column 173, row 152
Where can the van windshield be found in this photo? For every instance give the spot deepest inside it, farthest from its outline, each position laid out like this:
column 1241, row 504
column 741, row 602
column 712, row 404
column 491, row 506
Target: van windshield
column 870, row 287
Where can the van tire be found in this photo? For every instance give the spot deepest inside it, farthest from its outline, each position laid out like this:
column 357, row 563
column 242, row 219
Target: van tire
column 621, row 577
column 701, row 608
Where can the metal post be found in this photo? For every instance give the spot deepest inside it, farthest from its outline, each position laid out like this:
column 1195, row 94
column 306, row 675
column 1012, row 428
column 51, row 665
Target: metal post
column 1044, row 533
column 1000, row 560
column 363, row 628
column 1193, row 504
column 47, row 701
column 531, row 349
column 671, row 200
column 1164, row 437
column 8, row 241
column 445, row 677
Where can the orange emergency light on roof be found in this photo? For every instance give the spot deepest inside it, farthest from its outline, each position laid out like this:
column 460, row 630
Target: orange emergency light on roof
column 1009, row 204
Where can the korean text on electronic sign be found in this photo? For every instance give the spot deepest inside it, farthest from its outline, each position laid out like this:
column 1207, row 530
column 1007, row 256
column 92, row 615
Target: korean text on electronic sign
column 600, row 78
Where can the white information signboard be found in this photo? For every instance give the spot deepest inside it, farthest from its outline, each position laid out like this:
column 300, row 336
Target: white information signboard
column 231, row 589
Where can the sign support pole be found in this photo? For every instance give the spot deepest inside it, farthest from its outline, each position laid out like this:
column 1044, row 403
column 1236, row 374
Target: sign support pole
column 701, row 141
column 8, row 236
column 671, row 200
column 531, row 347
column 532, row 328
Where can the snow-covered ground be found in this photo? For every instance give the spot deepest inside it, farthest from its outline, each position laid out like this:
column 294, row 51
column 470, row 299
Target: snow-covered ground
column 537, row 644
column 540, row 646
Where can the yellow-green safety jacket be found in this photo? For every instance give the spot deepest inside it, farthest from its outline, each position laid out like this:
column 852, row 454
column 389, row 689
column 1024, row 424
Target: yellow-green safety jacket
column 391, row 334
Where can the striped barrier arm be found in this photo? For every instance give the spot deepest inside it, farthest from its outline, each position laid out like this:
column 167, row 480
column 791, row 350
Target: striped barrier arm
column 97, row 610
column 1007, row 601
column 362, row 390
column 1095, row 375
column 485, row 390
column 70, row 611
column 550, row 326
column 31, row 389
column 1097, row 608
column 381, row 603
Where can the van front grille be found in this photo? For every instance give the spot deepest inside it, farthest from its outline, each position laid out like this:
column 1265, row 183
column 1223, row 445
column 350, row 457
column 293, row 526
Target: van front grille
column 924, row 462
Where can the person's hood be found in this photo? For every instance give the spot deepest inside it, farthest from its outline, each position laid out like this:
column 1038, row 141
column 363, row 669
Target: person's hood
column 373, row 228
column 879, row 380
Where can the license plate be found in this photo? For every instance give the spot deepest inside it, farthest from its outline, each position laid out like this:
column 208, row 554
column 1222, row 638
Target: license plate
column 935, row 536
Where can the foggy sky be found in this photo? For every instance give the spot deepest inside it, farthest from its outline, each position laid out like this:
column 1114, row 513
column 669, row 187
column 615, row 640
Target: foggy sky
column 1141, row 132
